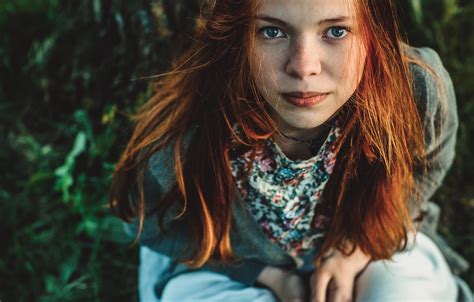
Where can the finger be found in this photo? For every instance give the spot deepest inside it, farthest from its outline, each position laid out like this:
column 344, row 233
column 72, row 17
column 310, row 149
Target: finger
column 340, row 290
column 319, row 286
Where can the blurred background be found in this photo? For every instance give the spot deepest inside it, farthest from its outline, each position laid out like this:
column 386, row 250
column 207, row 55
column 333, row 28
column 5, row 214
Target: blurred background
column 71, row 72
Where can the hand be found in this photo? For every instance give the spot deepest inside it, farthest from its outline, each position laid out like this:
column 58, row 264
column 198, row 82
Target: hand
column 335, row 277
column 286, row 285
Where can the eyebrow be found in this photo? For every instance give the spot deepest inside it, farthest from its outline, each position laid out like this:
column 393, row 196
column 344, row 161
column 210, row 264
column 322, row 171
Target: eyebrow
column 287, row 25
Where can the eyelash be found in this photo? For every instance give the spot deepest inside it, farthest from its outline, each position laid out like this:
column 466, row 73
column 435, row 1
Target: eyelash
column 347, row 31
column 262, row 31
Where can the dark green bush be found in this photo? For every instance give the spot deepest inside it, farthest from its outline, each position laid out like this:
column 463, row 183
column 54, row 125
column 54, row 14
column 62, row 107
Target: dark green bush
column 72, row 71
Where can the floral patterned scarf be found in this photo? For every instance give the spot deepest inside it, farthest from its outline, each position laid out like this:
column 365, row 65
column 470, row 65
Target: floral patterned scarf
column 283, row 195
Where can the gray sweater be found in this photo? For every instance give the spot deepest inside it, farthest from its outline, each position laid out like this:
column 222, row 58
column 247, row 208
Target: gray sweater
column 253, row 248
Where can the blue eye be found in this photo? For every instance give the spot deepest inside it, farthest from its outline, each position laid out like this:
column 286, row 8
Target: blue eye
column 271, row 32
column 337, row 32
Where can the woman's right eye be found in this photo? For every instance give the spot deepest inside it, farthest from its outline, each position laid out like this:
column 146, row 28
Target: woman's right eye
column 272, row 32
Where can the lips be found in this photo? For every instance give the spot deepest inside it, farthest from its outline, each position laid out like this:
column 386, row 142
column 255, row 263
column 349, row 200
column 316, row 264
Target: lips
column 304, row 99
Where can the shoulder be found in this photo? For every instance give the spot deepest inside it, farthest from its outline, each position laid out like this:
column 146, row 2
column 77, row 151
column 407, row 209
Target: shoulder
column 435, row 98
column 425, row 61
column 161, row 165
column 432, row 86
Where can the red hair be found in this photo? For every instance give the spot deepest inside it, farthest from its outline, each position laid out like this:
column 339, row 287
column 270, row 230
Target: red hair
column 211, row 86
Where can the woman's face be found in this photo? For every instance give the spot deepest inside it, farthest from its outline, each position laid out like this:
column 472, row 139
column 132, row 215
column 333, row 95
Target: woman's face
column 307, row 60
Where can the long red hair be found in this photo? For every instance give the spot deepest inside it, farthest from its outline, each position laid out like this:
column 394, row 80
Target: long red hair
column 371, row 190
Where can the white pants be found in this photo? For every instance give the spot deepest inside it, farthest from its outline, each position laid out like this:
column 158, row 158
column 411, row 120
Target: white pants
column 420, row 273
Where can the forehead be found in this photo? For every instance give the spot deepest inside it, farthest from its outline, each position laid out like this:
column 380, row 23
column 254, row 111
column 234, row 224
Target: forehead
column 306, row 11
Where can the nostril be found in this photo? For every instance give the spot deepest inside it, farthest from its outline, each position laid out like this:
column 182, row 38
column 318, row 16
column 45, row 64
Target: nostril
column 303, row 67
column 304, row 60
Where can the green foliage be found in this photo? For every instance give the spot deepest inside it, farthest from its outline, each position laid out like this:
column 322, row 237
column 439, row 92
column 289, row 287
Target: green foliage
column 64, row 175
column 69, row 75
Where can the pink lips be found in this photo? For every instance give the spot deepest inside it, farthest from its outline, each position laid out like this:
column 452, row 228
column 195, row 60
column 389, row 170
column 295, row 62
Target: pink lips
column 304, row 99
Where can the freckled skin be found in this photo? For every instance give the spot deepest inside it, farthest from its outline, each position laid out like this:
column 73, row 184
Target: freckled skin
column 302, row 53
column 308, row 56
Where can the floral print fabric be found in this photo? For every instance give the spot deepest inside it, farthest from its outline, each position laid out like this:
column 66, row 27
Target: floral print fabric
column 282, row 195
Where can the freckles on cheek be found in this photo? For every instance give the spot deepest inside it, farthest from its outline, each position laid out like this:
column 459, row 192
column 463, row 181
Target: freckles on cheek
column 270, row 55
column 262, row 60
column 264, row 67
column 353, row 66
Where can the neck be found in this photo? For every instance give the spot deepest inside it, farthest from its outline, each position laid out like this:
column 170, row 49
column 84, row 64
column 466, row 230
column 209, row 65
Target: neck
column 298, row 134
column 300, row 143
column 293, row 150
column 290, row 143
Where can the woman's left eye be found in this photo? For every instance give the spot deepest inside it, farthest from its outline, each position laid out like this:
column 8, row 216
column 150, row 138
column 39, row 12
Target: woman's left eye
column 336, row 32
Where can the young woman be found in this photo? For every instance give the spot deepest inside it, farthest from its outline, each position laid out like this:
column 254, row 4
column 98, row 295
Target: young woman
column 289, row 156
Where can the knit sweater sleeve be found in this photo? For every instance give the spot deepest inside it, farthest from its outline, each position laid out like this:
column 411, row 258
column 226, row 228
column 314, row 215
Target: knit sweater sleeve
column 436, row 100
column 175, row 239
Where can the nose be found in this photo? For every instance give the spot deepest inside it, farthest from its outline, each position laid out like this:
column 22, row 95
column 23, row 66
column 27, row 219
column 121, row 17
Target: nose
column 304, row 59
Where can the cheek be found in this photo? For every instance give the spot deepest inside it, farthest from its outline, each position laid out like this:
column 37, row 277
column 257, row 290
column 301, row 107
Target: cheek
column 265, row 65
column 349, row 68
column 357, row 63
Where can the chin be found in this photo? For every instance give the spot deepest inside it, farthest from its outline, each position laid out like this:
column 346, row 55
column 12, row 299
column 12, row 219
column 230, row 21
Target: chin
column 304, row 123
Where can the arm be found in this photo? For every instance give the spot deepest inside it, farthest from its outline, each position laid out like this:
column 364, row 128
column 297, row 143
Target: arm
column 436, row 100
column 176, row 240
